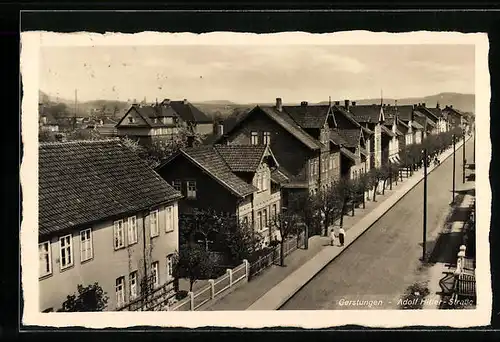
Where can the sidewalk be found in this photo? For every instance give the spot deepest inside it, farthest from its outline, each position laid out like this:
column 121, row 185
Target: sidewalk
column 445, row 258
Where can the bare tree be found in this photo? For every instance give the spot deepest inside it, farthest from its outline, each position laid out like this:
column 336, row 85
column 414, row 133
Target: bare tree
column 327, row 202
column 287, row 224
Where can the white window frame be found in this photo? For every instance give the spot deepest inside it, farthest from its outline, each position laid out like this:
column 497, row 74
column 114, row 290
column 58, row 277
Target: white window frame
column 254, row 138
column 133, row 285
column 154, row 224
column 86, row 252
column 155, row 271
column 259, row 220
column 120, row 291
column 47, row 258
column 191, row 194
column 67, row 248
column 265, row 218
column 177, row 184
column 132, row 230
column 170, row 266
column 267, row 138
column 118, row 232
column 169, row 219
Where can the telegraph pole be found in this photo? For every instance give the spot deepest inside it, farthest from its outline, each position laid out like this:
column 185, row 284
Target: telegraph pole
column 454, row 141
column 425, row 207
column 463, row 157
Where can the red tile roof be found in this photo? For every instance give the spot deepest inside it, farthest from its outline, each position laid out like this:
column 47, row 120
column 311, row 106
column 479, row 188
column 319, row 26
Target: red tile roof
column 82, row 182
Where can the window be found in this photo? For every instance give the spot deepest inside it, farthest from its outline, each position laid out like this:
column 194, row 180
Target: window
column 245, row 221
column 170, row 266
column 330, row 163
column 191, row 189
column 86, row 251
column 45, row 260
column 132, row 230
column 169, row 219
column 267, row 138
column 259, row 221
column 66, row 251
column 177, row 184
column 155, row 274
column 131, row 119
column 120, row 291
column 275, row 211
column 119, row 235
column 264, row 181
column 133, row 285
column 265, row 218
column 255, row 138
column 153, row 223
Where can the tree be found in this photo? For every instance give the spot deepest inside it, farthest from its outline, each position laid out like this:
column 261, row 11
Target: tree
column 376, row 175
column 241, row 241
column 363, row 184
column 192, row 262
column 288, row 224
column 327, row 202
column 84, row 134
column 344, row 189
column 89, row 298
column 302, row 203
column 384, row 174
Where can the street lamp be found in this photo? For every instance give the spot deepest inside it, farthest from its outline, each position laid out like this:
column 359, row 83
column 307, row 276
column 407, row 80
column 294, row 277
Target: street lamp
column 425, row 206
column 454, row 141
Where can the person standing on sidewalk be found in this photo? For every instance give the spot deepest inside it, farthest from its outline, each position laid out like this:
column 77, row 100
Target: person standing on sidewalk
column 341, row 236
column 332, row 237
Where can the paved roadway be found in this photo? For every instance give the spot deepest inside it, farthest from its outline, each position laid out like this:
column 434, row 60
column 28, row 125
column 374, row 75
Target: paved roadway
column 382, row 263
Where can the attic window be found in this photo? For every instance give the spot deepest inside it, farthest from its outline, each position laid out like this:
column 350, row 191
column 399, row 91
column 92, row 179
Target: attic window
column 131, row 119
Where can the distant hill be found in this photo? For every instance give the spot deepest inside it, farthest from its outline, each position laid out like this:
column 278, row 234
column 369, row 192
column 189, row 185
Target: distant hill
column 464, row 102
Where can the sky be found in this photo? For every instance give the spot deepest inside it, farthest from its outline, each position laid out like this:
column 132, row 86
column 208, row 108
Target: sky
column 250, row 74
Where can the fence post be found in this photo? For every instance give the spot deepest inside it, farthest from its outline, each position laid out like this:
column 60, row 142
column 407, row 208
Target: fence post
column 230, row 274
column 212, row 288
column 247, row 268
column 191, row 300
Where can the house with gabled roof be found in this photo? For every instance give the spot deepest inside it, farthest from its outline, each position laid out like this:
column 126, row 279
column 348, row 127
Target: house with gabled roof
column 298, row 137
column 46, row 121
column 243, row 180
column 372, row 117
column 163, row 120
column 436, row 115
column 455, row 117
column 105, row 217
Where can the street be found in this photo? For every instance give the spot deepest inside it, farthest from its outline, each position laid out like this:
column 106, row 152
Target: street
column 374, row 272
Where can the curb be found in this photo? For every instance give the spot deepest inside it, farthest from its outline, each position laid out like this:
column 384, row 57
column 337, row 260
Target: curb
column 277, row 297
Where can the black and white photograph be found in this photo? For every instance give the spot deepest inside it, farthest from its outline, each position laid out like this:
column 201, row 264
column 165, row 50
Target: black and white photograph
column 248, row 178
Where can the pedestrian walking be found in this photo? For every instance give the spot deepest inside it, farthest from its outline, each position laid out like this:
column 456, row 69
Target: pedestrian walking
column 341, row 236
column 332, row 237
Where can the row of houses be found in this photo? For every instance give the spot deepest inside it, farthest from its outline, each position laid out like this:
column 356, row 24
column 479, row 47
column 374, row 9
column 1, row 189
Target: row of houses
column 107, row 217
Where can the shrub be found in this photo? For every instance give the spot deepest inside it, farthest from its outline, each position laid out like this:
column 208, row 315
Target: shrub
column 181, row 294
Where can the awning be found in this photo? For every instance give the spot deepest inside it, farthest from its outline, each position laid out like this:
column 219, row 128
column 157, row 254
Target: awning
column 348, row 154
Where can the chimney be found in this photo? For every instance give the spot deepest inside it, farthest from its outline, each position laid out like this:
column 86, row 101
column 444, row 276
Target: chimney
column 165, row 102
column 303, row 103
column 414, row 106
column 185, row 101
column 220, row 129
column 337, row 103
column 423, row 104
column 437, row 105
column 346, row 104
column 353, row 103
column 279, row 104
column 190, row 140
column 451, row 106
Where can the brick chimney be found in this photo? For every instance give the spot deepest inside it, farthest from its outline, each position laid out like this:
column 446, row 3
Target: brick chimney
column 353, row 103
column 279, row 104
column 220, row 128
column 185, row 101
column 346, row 104
column 303, row 103
column 423, row 104
column 437, row 105
column 337, row 103
column 451, row 106
column 190, row 140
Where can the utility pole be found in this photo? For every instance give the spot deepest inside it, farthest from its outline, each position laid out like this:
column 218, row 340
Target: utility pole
column 425, row 207
column 74, row 119
column 463, row 156
column 454, row 149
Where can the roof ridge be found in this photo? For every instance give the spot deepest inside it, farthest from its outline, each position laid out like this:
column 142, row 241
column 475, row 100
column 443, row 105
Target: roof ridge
column 51, row 143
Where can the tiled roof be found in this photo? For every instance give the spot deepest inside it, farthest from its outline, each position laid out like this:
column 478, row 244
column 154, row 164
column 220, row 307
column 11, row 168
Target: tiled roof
column 402, row 127
column 349, row 116
column 436, row 111
column 404, row 112
column 285, row 121
column 242, row 158
column 427, row 113
column 189, row 113
column 365, row 113
column 337, row 138
column 81, row 182
column 209, row 159
column 452, row 110
column 348, row 154
column 431, row 123
column 308, row 116
column 351, row 136
column 280, row 176
column 387, row 131
column 416, row 125
column 363, row 151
